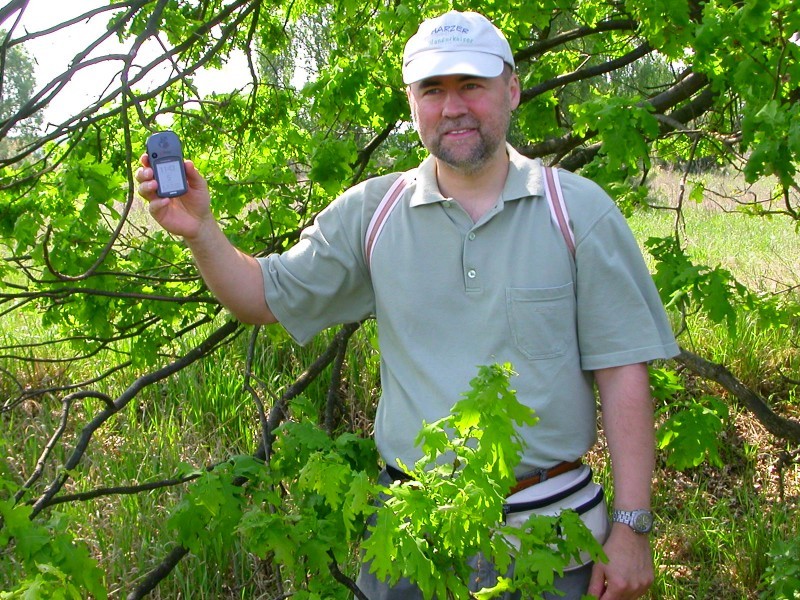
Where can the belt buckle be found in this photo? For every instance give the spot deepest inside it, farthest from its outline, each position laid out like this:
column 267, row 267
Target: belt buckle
column 542, row 473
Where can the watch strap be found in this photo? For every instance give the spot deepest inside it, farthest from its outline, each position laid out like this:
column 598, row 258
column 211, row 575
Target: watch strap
column 640, row 520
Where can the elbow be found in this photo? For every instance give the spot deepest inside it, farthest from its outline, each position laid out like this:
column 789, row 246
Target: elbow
column 253, row 315
column 256, row 319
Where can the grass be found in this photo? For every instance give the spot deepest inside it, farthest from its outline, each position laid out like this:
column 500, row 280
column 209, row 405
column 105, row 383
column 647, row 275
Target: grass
column 762, row 252
column 719, row 524
column 715, row 526
column 199, row 417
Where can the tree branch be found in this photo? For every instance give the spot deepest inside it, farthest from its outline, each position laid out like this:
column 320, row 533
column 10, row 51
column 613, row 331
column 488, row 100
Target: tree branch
column 154, row 577
column 586, row 73
column 365, row 154
column 92, row 113
column 540, row 47
column 68, row 292
column 576, row 157
column 786, row 429
column 249, row 377
column 276, row 417
column 278, row 412
column 12, row 7
column 123, row 490
column 207, row 346
column 344, row 579
column 332, row 401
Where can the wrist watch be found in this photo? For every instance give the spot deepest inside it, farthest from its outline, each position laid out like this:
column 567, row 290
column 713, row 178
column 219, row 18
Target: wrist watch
column 641, row 521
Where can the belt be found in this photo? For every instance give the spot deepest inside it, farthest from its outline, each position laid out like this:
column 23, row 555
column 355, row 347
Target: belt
column 541, row 475
column 523, row 483
column 397, row 474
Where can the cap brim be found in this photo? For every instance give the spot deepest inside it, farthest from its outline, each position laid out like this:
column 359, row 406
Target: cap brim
column 437, row 63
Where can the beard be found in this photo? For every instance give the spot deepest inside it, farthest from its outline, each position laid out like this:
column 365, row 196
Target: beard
column 470, row 156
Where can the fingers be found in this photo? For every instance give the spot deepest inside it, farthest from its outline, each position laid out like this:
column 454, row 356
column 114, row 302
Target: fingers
column 597, row 584
column 147, row 185
column 616, row 588
column 156, row 205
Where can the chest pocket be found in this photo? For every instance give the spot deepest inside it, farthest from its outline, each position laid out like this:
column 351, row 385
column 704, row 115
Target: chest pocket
column 542, row 320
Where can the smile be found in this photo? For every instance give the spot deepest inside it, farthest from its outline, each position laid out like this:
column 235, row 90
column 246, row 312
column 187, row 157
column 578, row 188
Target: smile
column 460, row 132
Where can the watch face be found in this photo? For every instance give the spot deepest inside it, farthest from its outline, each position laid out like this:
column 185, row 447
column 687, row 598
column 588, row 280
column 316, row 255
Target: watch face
column 643, row 521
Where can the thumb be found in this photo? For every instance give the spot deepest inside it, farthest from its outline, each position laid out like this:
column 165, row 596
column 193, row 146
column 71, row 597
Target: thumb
column 193, row 177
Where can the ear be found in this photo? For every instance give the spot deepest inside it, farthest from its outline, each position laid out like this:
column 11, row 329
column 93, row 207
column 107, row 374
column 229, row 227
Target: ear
column 412, row 105
column 514, row 90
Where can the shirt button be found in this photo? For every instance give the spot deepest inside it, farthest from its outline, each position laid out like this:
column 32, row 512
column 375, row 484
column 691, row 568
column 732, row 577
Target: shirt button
column 472, row 235
column 447, row 204
column 472, row 273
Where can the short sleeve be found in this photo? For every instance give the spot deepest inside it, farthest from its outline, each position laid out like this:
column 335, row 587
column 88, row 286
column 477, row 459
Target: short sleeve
column 621, row 319
column 321, row 281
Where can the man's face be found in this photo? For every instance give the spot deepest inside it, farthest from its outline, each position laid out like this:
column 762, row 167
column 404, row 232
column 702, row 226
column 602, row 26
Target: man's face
column 463, row 120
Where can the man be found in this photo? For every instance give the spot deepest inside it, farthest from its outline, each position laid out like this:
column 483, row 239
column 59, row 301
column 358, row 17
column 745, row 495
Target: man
column 469, row 270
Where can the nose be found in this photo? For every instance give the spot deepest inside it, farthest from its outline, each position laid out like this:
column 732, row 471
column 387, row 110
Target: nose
column 454, row 105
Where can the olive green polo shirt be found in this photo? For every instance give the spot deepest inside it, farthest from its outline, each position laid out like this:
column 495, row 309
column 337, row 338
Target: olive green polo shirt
column 450, row 295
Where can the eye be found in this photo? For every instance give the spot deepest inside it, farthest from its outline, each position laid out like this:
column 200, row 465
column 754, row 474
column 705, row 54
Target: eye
column 431, row 91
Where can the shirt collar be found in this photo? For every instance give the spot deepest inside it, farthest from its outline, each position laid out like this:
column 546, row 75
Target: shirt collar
column 524, row 179
column 524, row 176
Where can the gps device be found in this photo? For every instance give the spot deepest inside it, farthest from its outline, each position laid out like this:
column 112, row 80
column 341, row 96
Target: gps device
column 166, row 158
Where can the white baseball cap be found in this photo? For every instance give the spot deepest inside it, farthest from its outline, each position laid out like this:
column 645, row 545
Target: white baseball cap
column 456, row 43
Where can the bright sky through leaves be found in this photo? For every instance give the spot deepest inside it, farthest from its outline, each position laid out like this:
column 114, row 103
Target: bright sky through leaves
column 52, row 54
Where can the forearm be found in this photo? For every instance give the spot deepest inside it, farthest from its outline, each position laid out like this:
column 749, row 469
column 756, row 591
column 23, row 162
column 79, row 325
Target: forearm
column 627, row 411
column 232, row 276
column 628, row 424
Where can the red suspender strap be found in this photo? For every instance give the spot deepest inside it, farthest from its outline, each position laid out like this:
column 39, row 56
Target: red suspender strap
column 385, row 207
column 558, row 208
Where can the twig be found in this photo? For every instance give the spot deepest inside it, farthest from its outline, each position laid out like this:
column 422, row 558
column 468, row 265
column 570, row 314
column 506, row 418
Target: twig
column 40, row 464
column 542, row 46
column 248, row 386
column 278, row 412
column 335, row 387
column 333, row 567
column 586, row 73
column 154, row 577
column 122, row 490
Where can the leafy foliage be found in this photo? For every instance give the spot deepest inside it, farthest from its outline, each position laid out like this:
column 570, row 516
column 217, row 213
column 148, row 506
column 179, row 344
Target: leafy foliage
column 305, row 509
column 52, row 564
column 686, row 286
column 691, row 427
column 429, row 528
column 690, row 434
column 311, row 503
column 782, row 577
column 608, row 88
column 279, row 151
